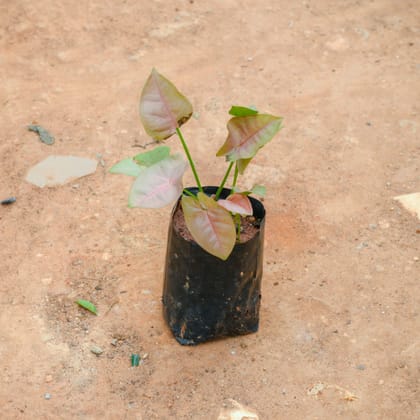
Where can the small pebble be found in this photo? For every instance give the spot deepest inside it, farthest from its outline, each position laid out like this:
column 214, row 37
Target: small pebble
column 96, row 350
column 114, row 342
column 48, row 378
column 361, row 367
column 8, row 201
column 47, row 396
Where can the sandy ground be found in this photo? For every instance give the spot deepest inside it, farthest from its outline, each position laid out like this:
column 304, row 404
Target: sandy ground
column 339, row 334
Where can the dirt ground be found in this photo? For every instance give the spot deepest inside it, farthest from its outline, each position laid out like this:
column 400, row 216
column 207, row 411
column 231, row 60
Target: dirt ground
column 339, row 333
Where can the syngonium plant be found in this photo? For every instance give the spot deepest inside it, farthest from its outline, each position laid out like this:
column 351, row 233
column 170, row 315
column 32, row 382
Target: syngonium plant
column 214, row 223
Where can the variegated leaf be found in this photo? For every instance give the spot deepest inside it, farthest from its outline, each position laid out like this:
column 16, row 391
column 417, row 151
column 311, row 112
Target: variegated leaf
column 162, row 107
column 159, row 184
column 210, row 225
column 248, row 134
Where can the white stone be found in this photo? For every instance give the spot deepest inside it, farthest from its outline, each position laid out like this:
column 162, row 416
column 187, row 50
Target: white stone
column 58, row 170
column 410, row 202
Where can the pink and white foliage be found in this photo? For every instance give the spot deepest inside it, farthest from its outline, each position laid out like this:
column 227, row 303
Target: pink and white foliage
column 210, row 225
column 237, row 203
column 247, row 135
column 163, row 108
column 159, row 184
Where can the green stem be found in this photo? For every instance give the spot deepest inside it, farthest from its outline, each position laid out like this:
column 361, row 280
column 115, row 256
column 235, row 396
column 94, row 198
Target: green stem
column 188, row 192
column 235, row 176
column 187, row 152
column 219, row 190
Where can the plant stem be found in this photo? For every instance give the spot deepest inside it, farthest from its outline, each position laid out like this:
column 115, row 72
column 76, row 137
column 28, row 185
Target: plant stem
column 219, row 190
column 188, row 192
column 237, row 218
column 187, row 152
column 235, row 176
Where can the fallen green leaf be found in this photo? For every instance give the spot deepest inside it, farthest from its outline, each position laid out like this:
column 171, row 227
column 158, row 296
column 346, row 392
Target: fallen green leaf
column 135, row 359
column 87, row 305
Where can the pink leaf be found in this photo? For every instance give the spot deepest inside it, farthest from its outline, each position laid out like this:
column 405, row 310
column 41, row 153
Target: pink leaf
column 248, row 134
column 159, row 184
column 162, row 107
column 237, row 203
column 210, row 225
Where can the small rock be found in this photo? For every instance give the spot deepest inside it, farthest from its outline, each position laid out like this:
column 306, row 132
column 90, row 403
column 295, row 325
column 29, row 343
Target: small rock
column 337, row 44
column 48, row 378
column 47, row 396
column 114, row 342
column 96, row 350
column 9, row 200
column 44, row 135
column 361, row 367
column 383, row 224
column 373, row 226
column 410, row 202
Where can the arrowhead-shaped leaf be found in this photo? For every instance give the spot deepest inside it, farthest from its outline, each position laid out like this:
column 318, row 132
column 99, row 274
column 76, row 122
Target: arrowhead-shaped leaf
column 162, row 107
column 248, row 134
column 258, row 190
column 242, row 111
column 153, row 156
column 159, row 184
column 126, row 167
column 237, row 203
column 210, row 225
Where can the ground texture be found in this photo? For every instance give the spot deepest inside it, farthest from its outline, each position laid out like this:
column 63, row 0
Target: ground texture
column 339, row 333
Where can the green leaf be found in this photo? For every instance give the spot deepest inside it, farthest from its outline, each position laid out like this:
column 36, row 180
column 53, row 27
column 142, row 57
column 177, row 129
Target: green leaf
column 153, row 156
column 242, row 111
column 258, row 190
column 87, row 305
column 159, row 184
column 210, row 225
column 126, row 167
column 237, row 203
column 162, row 107
column 242, row 164
column 248, row 134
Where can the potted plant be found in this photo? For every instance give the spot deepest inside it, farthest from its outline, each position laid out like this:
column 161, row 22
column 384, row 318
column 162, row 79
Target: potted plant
column 213, row 268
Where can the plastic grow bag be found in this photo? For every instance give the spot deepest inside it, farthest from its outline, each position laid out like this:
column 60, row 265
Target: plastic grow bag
column 205, row 297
